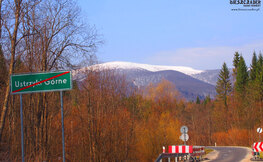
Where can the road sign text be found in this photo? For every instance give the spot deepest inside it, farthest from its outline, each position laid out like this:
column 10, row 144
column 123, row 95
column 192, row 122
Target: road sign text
column 41, row 82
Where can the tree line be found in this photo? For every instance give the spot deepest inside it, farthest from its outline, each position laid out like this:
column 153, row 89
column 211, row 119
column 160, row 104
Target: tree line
column 107, row 119
column 241, row 97
column 37, row 36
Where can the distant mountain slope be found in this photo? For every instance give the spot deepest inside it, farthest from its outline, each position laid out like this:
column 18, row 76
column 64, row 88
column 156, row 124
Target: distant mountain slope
column 208, row 76
column 188, row 86
column 188, row 81
column 211, row 76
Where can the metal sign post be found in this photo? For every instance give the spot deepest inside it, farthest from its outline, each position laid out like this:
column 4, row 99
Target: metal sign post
column 259, row 130
column 184, row 139
column 22, row 128
column 62, row 121
column 41, row 82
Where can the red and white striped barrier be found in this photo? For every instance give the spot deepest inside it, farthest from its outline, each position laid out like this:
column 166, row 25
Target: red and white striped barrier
column 258, row 146
column 180, row 149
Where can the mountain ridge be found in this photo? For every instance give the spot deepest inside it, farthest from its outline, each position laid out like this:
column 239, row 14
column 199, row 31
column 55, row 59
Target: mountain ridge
column 153, row 68
column 188, row 81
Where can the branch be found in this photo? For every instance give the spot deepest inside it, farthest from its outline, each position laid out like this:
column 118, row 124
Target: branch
column 25, row 35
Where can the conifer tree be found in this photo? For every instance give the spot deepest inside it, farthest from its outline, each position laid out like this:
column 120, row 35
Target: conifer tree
column 235, row 63
column 260, row 60
column 258, row 83
column 207, row 100
column 197, row 100
column 259, row 64
column 241, row 77
column 223, row 84
column 259, row 86
column 253, row 70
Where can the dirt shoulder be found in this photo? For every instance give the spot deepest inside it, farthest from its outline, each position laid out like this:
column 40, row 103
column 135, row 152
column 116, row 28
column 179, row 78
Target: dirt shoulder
column 211, row 156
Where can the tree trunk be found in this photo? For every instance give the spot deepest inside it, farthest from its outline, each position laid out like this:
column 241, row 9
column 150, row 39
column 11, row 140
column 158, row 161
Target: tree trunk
column 11, row 66
column 1, row 22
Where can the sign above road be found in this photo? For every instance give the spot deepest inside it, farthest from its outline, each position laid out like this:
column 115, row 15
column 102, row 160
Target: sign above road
column 259, row 130
column 184, row 137
column 41, row 82
column 184, row 129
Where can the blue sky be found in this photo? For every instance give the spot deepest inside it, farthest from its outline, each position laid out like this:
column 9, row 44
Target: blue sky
column 201, row 34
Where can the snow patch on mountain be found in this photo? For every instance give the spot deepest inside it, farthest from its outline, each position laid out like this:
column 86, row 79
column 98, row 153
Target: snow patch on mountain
column 152, row 68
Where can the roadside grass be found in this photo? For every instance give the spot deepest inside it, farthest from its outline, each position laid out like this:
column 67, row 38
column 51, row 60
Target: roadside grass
column 207, row 151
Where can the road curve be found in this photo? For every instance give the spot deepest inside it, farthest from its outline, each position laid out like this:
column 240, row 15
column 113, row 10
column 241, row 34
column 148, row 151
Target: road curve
column 230, row 154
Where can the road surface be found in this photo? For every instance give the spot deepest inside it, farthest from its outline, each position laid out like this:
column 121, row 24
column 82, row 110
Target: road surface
column 230, row 154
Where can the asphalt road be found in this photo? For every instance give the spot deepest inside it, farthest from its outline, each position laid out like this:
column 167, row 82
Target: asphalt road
column 229, row 154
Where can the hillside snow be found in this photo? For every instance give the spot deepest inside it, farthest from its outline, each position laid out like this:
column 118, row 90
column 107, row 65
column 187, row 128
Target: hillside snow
column 152, row 68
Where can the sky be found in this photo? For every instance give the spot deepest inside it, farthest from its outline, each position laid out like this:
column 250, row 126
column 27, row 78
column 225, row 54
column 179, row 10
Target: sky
column 202, row 34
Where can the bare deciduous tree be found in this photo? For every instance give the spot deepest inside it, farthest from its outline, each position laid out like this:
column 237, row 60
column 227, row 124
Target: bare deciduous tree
column 45, row 35
column 13, row 40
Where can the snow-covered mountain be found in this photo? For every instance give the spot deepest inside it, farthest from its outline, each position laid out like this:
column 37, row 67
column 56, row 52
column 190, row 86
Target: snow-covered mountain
column 189, row 82
column 208, row 76
column 152, row 68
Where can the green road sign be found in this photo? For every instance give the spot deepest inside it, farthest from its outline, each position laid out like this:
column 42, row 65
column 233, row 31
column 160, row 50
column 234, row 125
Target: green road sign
column 41, row 82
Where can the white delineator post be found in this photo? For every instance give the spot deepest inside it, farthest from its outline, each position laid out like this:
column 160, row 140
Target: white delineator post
column 259, row 130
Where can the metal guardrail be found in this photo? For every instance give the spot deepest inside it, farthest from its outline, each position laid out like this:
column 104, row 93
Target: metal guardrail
column 198, row 151
column 185, row 153
column 171, row 155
